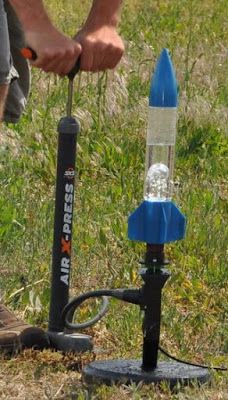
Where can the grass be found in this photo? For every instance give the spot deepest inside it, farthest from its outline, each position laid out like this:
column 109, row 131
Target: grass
column 112, row 109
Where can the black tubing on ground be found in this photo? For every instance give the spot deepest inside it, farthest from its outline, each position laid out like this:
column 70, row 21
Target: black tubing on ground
column 71, row 307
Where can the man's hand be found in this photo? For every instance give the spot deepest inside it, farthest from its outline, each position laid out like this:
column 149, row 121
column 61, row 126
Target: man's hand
column 102, row 48
column 55, row 52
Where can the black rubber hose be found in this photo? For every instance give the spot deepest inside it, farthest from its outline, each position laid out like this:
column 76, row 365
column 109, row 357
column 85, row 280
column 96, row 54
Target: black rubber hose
column 128, row 295
column 71, row 307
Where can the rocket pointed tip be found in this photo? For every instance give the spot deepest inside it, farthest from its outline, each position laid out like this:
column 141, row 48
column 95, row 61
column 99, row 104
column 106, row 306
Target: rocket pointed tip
column 165, row 58
column 163, row 91
column 164, row 64
column 165, row 53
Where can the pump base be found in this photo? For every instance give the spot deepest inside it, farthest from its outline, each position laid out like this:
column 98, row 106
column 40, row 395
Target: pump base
column 70, row 343
column 127, row 371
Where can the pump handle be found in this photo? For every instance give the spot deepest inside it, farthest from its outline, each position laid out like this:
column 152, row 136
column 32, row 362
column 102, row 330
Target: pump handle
column 30, row 54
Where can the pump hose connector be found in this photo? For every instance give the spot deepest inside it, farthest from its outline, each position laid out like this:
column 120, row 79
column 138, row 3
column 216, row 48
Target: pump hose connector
column 129, row 295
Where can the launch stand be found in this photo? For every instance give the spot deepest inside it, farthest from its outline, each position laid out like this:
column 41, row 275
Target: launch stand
column 147, row 370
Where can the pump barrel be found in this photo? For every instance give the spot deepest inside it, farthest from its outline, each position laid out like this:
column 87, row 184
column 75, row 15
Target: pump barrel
column 68, row 129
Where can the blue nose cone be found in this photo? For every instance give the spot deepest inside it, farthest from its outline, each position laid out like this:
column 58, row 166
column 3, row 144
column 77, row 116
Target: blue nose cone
column 163, row 90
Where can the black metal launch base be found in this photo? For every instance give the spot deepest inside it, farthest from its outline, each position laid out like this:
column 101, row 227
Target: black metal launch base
column 149, row 370
column 130, row 371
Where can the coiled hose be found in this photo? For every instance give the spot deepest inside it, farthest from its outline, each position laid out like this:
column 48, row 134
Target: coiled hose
column 128, row 295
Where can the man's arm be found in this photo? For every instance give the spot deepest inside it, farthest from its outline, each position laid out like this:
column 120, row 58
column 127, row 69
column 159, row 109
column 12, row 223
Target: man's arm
column 98, row 40
column 102, row 47
column 56, row 52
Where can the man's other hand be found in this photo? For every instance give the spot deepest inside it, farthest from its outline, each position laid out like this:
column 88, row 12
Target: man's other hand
column 102, row 48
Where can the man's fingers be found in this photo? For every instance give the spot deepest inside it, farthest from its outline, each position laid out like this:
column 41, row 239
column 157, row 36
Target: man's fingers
column 59, row 61
column 87, row 61
column 101, row 49
column 99, row 57
column 55, row 52
column 59, row 67
column 111, row 57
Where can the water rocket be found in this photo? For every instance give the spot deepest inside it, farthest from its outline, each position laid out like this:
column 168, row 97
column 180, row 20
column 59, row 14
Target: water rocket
column 157, row 220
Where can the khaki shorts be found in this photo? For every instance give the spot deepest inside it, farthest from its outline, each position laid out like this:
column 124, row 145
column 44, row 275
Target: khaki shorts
column 14, row 69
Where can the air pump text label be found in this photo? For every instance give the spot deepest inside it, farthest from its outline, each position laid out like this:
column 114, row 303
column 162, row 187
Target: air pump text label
column 67, row 228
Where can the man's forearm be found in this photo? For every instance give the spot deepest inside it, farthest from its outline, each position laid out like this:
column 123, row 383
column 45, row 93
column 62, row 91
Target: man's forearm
column 104, row 12
column 31, row 13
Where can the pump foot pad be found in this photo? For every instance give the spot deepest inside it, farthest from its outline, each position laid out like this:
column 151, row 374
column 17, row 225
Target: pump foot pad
column 71, row 342
column 126, row 371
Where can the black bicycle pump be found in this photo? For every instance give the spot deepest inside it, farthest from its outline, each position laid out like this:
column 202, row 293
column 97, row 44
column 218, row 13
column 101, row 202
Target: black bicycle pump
column 68, row 130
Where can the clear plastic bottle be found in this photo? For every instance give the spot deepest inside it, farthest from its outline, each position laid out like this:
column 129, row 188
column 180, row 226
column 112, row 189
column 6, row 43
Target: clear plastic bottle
column 160, row 151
